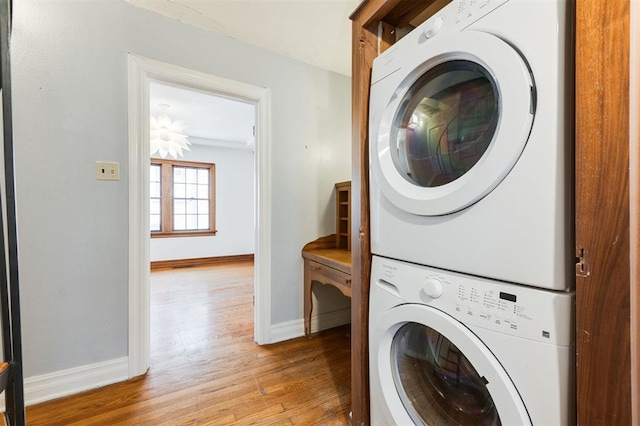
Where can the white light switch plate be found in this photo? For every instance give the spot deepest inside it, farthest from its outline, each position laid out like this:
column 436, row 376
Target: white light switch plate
column 107, row 171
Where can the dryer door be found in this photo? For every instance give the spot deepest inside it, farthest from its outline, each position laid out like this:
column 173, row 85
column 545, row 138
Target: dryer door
column 456, row 124
column 433, row 370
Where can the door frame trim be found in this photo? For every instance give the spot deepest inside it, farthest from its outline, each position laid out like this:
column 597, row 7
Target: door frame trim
column 140, row 71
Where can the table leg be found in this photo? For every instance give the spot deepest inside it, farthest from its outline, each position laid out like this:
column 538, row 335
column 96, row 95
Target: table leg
column 308, row 300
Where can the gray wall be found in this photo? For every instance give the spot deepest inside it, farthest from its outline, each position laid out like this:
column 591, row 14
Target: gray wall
column 70, row 109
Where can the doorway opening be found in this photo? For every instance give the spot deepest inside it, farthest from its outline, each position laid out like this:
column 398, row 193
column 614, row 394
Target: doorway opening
column 143, row 73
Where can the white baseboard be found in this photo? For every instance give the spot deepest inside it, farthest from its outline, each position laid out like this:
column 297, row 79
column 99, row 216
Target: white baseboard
column 292, row 329
column 74, row 380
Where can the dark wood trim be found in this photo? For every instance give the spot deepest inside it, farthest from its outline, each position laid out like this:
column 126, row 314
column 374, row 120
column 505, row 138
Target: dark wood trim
column 368, row 18
column 602, row 213
column 364, row 50
column 200, row 261
column 405, row 12
column 634, row 160
column 179, row 163
column 326, row 242
column 396, row 12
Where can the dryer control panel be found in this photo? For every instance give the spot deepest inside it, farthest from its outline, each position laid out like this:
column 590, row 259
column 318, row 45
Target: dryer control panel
column 527, row 312
column 456, row 16
column 452, row 18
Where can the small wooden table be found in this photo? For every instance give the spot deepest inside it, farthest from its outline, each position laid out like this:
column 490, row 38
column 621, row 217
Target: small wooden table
column 327, row 265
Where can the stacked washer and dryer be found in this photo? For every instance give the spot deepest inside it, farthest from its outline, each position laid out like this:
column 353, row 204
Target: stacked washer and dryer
column 472, row 303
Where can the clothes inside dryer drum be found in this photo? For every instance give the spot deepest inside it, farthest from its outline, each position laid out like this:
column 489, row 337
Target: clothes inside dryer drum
column 436, row 382
column 445, row 123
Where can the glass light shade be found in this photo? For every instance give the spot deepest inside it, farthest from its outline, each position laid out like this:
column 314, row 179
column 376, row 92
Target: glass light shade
column 167, row 137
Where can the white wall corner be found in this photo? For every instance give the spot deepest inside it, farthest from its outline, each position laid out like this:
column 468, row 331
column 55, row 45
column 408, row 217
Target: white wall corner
column 291, row 329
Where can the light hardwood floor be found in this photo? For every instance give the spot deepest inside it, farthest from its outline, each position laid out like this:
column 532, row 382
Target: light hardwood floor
column 206, row 369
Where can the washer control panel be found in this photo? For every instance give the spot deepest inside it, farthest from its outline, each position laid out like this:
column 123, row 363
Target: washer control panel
column 501, row 308
column 527, row 312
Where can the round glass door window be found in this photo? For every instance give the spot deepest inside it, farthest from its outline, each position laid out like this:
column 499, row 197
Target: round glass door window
column 436, row 382
column 445, row 123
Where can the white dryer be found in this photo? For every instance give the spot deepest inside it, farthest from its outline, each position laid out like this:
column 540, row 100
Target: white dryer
column 449, row 349
column 471, row 142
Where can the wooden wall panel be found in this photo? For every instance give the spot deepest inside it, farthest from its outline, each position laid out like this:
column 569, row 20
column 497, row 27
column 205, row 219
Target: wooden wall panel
column 634, row 169
column 602, row 212
column 364, row 48
column 368, row 19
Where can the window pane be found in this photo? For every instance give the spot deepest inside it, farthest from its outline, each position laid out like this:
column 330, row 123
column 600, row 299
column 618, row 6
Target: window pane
column 155, row 222
column 179, row 222
column 192, row 221
column 203, row 221
column 155, row 197
column 192, row 207
column 179, row 207
column 192, row 191
column 203, row 192
column 155, row 189
column 155, row 207
column 203, row 206
column 154, row 175
column 179, row 190
column 178, row 174
column 203, row 176
column 192, row 175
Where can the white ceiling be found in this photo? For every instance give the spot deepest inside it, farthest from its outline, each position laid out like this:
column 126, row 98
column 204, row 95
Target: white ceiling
column 209, row 120
column 317, row 32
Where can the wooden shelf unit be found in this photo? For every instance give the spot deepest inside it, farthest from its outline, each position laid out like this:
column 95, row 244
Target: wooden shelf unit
column 343, row 215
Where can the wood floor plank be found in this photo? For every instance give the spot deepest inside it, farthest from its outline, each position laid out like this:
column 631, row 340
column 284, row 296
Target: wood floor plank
column 206, row 369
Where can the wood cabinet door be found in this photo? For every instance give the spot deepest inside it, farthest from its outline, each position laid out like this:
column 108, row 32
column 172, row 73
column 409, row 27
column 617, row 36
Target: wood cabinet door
column 603, row 351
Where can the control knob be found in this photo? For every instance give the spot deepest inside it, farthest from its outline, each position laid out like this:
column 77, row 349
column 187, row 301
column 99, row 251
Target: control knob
column 432, row 288
column 432, row 27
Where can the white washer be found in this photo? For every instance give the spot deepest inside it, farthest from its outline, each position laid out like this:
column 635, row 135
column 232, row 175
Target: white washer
column 446, row 348
column 471, row 142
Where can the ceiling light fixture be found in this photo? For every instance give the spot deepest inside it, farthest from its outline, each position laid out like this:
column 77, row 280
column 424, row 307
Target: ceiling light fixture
column 167, row 137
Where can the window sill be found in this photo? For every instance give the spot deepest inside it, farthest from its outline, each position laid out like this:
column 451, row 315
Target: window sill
column 181, row 234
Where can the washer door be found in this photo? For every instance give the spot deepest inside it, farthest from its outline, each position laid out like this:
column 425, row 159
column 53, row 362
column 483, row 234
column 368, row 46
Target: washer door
column 434, row 371
column 456, row 124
